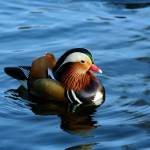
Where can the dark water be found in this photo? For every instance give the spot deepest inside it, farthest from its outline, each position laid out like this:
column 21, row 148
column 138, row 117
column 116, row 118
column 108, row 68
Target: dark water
column 118, row 34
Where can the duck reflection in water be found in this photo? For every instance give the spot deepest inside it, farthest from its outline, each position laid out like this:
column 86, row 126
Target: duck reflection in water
column 75, row 119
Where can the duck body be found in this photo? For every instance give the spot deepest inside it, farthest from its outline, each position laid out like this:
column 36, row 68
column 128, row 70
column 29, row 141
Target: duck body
column 72, row 78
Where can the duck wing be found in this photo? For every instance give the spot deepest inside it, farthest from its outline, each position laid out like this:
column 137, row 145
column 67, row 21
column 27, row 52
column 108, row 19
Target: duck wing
column 19, row 73
column 48, row 88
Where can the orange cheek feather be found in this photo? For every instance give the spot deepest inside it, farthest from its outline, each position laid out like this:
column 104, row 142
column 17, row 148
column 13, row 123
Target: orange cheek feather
column 76, row 77
column 81, row 68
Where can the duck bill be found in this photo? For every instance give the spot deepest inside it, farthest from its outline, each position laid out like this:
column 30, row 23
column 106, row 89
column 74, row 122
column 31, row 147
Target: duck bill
column 96, row 69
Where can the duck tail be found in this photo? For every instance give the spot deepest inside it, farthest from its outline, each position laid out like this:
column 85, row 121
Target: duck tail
column 19, row 73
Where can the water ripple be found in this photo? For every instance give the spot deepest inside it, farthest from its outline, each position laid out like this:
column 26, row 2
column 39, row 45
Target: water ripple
column 117, row 33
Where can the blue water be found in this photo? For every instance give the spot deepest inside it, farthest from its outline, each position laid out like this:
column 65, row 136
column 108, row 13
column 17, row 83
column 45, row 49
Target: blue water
column 117, row 33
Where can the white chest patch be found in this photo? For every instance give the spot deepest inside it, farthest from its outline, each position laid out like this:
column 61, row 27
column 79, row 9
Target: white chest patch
column 98, row 99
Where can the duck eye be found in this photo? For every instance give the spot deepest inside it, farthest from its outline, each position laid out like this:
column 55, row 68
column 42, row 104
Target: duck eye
column 82, row 61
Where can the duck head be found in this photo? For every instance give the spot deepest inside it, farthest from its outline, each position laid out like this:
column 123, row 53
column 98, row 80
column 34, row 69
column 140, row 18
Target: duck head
column 75, row 69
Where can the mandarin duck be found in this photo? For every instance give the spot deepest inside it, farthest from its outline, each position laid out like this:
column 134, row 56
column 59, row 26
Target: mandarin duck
column 71, row 78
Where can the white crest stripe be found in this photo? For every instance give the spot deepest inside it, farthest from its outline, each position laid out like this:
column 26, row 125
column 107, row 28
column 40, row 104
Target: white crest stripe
column 74, row 57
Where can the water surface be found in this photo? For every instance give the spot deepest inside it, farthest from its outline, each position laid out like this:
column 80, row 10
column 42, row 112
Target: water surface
column 118, row 35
